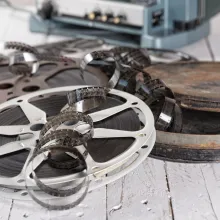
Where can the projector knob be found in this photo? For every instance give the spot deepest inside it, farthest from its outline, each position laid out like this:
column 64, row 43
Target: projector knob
column 107, row 17
column 119, row 19
column 94, row 14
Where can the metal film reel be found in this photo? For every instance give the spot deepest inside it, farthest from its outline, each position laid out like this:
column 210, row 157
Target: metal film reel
column 50, row 74
column 31, row 71
column 25, row 135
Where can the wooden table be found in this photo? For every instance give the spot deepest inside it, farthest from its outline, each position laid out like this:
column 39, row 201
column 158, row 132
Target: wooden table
column 156, row 189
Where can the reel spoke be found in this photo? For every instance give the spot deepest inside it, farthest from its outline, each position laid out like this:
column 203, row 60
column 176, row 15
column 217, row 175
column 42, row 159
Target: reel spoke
column 113, row 133
column 14, row 129
column 103, row 114
column 11, row 81
column 42, row 83
column 37, row 161
column 16, row 146
column 33, row 113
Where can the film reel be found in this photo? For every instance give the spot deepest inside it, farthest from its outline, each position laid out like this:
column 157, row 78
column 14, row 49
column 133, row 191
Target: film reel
column 100, row 162
column 49, row 75
column 78, row 48
column 31, row 71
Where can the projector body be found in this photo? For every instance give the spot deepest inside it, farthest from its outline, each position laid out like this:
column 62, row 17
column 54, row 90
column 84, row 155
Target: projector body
column 152, row 23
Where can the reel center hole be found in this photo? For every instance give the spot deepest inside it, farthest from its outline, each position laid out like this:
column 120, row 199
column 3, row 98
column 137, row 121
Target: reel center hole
column 31, row 88
column 6, row 86
column 36, row 127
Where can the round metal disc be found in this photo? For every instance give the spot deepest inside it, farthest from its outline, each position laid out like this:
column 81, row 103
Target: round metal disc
column 191, row 148
column 196, row 85
column 145, row 136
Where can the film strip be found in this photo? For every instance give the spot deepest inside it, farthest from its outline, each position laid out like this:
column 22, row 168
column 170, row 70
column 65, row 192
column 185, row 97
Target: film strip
column 182, row 132
column 166, row 110
column 59, row 193
column 131, row 63
column 131, row 57
column 105, row 61
column 65, row 140
column 134, row 79
column 22, row 47
column 153, row 92
column 54, row 139
column 28, row 62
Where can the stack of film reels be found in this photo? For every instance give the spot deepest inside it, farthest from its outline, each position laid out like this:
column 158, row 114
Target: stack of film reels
column 64, row 125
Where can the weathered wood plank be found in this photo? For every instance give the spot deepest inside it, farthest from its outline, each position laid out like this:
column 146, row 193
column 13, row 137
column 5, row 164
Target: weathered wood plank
column 6, row 206
column 142, row 194
column 188, row 184
column 211, row 172
column 92, row 208
column 189, row 193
